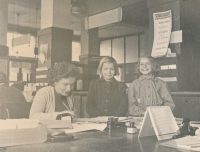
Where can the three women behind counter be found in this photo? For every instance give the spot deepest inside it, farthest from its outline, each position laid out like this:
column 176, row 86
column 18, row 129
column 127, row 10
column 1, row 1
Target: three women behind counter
column 106, row 96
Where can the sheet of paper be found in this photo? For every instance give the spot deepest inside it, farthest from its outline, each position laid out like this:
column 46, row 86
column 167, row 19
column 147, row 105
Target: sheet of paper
column 41, row 57
column 176, row 37
column 162, row 32
column 188, row 142
column 13, row 76
column 163, row 121
column 24, row 77
column 172, row 66
column 57, row 123
column 102, row 119
column 24, row 123
column 164, row 67
column 5, row 125
column 54, row 132
column 85, row 127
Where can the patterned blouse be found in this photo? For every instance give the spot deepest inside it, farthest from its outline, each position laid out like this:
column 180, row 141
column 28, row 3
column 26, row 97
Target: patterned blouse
column 145, row 92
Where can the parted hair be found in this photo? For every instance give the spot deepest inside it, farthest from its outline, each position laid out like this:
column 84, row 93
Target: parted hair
column 62, row 70
column 3, row 78
column 155, row 67
column 107, row 59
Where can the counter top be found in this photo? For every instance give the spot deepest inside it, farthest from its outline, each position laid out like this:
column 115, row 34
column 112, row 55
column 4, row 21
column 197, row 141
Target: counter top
column 186, row 94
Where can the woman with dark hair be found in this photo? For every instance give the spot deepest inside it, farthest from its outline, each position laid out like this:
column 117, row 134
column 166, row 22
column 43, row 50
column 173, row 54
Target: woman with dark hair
column 52, row 101
column 7, row 93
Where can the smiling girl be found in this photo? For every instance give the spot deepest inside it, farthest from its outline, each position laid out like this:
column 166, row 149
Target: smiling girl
column 107, row 96
column 148, row 90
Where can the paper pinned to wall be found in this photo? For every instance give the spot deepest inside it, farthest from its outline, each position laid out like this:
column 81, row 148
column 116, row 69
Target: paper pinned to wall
column 176, row 37
column 162, row 32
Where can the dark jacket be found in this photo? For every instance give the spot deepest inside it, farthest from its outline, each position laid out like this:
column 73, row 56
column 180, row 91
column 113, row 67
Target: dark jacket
column 107, row 98
column 10, row 94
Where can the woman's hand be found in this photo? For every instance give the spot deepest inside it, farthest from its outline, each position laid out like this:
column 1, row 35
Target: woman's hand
column 67, row 112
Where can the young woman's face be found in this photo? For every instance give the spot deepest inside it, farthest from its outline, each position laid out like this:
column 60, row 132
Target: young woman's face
column 65, row 85
column 146, row 67
column 108, row 71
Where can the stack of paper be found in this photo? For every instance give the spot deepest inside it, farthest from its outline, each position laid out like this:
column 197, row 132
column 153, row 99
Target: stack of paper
column 56, row 123
column 79, row 127
column 188, row 142
column 18, row 124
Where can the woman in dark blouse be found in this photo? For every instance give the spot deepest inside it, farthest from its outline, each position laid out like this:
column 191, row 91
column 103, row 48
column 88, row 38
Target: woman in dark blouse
column 107, row 96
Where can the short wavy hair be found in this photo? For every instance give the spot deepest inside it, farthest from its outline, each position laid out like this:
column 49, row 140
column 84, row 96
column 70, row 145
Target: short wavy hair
column 3, row 78
column 155, row 69
column 107, row 59
column 62, row 70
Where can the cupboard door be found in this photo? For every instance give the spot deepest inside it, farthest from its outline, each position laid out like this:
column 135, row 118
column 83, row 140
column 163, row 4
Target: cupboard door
column 84, row 112
column 77, row 100
column 118, row 50
column 131, row 49
column 191, row 108
column 177, row 111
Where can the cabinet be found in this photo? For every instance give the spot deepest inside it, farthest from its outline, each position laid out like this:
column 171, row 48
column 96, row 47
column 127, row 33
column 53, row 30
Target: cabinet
column 80, row 99
column 187, row 105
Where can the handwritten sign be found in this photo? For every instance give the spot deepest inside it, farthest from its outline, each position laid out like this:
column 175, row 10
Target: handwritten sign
column 162, row 32
column 159, row 121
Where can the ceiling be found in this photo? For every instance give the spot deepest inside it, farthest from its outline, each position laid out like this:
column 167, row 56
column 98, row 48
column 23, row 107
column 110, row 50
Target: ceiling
column 24, row 17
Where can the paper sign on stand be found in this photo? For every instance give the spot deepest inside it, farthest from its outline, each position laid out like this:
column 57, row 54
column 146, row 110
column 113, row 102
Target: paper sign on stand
column 159, row 121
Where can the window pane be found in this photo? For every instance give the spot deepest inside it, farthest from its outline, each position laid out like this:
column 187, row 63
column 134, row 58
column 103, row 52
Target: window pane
column 118, row 50
column 131, row 49
column 76, row 51
column 105, row 48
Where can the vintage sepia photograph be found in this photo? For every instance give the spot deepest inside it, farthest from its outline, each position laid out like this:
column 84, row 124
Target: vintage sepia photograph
column 99, row 75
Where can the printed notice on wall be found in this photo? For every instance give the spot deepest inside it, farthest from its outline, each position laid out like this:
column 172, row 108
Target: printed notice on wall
column 162, row 31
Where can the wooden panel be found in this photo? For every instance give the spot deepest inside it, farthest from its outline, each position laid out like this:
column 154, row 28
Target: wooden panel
column 16, row 110
column 166, row 60
column 153, row 3
column 131, row 68
column 187, row 107
column 191, row 108
column 178, row 106
column 168, row 73
column 130, row 77
column 77, row 100
column 84, row 113
column 131, row 49
column 173, row 86
column 118, row 50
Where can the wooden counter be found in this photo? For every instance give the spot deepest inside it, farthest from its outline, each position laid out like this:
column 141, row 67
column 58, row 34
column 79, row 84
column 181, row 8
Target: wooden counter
column 187, row 104
column 98, row 141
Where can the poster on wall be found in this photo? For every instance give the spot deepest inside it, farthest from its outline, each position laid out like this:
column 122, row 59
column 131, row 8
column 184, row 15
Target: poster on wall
column 162, row 33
